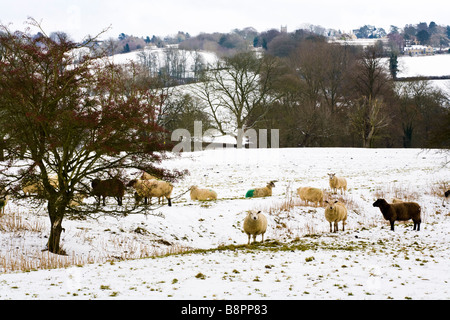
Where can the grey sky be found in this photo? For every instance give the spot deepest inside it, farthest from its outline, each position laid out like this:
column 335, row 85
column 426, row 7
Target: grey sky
column 167, row 17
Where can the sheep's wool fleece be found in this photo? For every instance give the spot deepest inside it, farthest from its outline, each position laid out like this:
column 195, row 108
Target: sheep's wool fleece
column 249, row 193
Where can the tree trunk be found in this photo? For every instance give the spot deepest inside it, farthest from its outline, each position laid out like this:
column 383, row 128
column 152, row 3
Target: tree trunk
column 56, row 217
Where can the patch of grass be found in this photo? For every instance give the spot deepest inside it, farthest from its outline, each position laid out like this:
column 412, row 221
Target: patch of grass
column 200, row 276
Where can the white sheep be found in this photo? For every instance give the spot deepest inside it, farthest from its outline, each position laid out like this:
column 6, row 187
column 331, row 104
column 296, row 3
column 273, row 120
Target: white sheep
column 337, row 183
column 334, row 213
column 202, row 194
column 77, row 199
column 309, row 194
column 261, row 192
column 255, row 223
column 152, row 188
column 37, row 187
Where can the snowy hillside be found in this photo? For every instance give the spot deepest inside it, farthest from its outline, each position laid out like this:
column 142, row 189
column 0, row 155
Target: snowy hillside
column 435, row 65
column 300, row 259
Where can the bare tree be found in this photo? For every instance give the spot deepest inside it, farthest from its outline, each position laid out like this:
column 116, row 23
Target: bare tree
column 367, row 118
column 238, row 91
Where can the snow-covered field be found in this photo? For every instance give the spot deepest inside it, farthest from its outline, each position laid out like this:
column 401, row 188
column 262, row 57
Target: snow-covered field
column 300, row 259
column 435, row 65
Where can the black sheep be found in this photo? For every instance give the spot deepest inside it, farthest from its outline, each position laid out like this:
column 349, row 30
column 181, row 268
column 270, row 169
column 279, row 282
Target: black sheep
column 108, row 188
column 402, row 211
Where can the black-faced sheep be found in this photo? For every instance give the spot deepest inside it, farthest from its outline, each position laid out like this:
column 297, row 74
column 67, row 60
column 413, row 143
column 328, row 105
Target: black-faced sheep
column 152, row 188
column 337, row 183
column 255, row 223
column 309, row 194
column 402, row 211
column 202, row 194
column 108, row 188
column 261, row 192
column 334, row 213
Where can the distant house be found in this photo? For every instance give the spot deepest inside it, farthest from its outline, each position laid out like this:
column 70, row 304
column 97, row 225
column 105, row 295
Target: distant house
column 418, row 50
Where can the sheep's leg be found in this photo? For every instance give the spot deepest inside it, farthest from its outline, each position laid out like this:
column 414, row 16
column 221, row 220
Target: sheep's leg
column 169, row 201
column 392, row 225
column 343, row 225
column 262, row 240
column 249, row 239
column 104, row 203
column 331, row 228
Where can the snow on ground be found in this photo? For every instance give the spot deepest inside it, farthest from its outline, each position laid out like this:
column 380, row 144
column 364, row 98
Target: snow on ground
column 300, row 259
column 436, row 65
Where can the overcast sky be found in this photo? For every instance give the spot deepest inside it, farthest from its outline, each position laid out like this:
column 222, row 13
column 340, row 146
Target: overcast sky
column 79, row 18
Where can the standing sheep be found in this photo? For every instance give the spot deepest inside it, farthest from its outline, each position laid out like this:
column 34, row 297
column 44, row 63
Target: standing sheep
column 401, row 211
column 261, row 192
column 308, row 194
column 108, row 188
column 202, row 194
column 337, row 183
column 255, row 223
column 152, row 188
column 334, row 213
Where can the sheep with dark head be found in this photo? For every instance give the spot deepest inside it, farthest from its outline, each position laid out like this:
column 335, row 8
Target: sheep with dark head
column 108, row 188
column 401, row 211
column 261, row 192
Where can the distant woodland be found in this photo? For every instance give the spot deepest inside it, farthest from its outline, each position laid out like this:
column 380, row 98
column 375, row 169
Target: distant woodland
column 318, row 93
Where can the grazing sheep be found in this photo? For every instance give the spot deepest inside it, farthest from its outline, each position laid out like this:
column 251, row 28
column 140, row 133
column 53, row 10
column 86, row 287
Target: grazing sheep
column 337, row 183
column 255, row 223
column 309, row 194
column 202, row 194
column 108, row 188
column 401, row 211
column 77, row 199
column 152, row 188
column 396, row 200
column 261, row 192
column 147, row 176
column 334, row 213
column 36, row 187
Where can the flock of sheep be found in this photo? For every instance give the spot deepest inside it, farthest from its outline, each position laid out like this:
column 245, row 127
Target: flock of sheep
column 335, row 211
column 255, row 223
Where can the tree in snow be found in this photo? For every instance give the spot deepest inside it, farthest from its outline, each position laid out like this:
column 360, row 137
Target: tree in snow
column 74, row 121
column 238, row 91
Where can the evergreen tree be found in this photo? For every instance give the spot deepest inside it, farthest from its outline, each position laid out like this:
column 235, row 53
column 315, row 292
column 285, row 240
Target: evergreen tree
column 393, row 65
